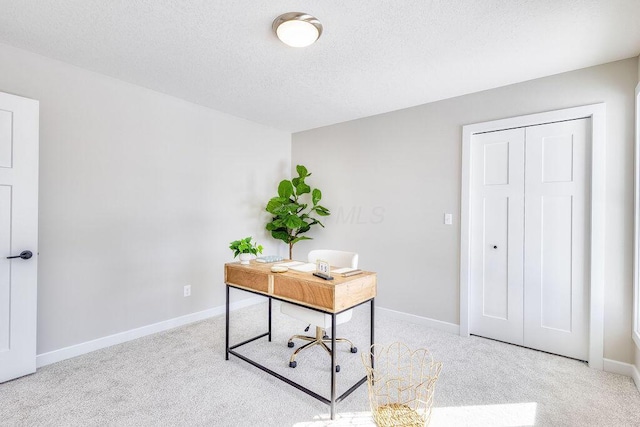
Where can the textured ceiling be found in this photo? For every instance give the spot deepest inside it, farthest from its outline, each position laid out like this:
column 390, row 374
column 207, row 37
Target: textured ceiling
column 373, row 57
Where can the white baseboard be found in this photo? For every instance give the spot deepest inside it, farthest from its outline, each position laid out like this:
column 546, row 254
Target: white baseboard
column 616, row 367
column 452, row 328
column 621, row 368
column 122, row 337
column 119, row 338
column 635, row 374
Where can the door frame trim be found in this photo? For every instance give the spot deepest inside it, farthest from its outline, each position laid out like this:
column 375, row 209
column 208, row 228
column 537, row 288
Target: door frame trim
column 636, row 232
column 597, row 114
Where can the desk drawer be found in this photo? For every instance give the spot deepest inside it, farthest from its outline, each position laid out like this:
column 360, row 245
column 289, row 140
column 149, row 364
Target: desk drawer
column 305, row 292
column 247, row 278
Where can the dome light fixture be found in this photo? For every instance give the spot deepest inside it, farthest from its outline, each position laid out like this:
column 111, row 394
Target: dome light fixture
column 297, row 29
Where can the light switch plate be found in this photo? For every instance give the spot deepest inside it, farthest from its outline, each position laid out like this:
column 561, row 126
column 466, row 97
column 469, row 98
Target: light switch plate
column 448, row 219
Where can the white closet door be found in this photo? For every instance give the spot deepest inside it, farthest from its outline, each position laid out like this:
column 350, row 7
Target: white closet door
column 556, row 245
column 18, row 233
column 497, row 232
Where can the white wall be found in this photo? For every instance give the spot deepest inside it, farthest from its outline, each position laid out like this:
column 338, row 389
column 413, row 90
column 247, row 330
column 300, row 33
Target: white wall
column 140, row 194
column 390, row 178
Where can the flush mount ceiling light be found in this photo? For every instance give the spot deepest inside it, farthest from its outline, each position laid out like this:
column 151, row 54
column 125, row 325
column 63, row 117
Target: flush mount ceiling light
column 297, row 29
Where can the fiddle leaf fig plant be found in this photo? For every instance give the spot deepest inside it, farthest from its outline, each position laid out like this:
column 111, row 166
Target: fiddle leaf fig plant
column 295, row 209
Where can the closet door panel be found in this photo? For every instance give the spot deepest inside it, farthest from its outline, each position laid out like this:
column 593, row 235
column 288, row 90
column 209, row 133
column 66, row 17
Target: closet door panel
column 555, row 250
column 497, row 221
column 556, row 245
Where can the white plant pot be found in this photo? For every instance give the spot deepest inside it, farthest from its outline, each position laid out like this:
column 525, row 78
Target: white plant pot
column 245, row 258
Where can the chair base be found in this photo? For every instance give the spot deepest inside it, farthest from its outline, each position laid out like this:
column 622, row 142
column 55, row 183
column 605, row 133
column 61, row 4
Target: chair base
column 320, row 339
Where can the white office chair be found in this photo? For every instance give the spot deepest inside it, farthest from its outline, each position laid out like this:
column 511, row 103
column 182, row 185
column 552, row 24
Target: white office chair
column 322, row 321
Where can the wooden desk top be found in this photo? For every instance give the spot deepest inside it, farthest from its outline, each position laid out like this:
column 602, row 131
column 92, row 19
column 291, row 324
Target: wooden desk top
column 332, row 296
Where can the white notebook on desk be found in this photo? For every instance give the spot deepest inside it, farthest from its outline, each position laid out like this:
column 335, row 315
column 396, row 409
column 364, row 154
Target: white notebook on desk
column 343, row 270
column 347, row 271
column 305, row 267
column 290, row 263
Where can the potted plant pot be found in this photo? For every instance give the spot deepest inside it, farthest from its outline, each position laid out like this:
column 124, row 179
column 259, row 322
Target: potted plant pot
column 245, row 249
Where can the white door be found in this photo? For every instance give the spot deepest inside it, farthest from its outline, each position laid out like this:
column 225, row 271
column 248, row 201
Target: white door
column 497, row 233
column 556, row 246
column 529, row 229
column 18, row 233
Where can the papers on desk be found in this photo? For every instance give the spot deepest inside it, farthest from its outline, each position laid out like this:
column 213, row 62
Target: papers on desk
column 291, row 263
column 309, row 267
column 305, row 267
column 347, row 271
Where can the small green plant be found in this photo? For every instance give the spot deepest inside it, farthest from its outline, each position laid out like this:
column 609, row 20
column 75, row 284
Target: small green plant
column 292, row 217
column 245, row 246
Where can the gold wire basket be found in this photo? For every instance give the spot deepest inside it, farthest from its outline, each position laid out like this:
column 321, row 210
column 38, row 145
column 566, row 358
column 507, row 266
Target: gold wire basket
column 401, row 384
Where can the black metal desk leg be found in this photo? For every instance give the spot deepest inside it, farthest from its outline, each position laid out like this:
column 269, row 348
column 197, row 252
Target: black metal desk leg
column 371, row 328
column 269, row 319
column 333, row 366
column 226, row 334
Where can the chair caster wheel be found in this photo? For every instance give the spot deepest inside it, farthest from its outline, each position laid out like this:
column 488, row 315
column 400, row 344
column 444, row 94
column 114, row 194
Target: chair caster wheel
column 325, row 337
column 290, row 344
column 337, row 368
column 354, row 349
column 293, row 364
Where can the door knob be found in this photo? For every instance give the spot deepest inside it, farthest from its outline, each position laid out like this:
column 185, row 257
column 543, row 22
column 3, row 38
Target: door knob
column 23, row 255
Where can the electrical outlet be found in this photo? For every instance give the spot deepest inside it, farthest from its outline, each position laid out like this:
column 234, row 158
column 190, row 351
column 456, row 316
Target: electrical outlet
column 187, row 291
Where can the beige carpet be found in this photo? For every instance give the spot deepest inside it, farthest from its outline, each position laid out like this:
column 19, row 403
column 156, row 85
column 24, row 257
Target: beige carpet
column 180, row 377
